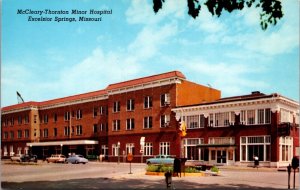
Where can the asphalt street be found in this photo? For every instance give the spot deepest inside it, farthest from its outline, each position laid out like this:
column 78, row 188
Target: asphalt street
column 96, row 175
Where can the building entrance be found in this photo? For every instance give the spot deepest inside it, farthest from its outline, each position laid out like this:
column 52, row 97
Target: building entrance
column 221, row 156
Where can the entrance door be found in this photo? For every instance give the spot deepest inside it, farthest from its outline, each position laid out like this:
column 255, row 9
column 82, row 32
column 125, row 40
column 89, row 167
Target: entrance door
column 221, row 156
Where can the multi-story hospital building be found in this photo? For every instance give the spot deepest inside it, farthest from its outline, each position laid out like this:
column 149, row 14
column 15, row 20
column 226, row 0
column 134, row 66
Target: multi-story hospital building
column 144, row 116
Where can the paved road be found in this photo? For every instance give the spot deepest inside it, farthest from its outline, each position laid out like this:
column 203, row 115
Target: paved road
column 95, row 175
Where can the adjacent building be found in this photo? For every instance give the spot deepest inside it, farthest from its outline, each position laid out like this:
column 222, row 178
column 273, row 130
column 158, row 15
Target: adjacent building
column 145, row 116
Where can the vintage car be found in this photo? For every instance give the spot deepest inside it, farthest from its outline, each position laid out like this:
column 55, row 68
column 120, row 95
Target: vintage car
column 160, row 159
column 29, row 158
column 76, row 159
column 56, row 158
column 16, row 157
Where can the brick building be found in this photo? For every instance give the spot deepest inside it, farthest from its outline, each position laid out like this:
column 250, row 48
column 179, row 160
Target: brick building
column 109, row 121
column 113, row 122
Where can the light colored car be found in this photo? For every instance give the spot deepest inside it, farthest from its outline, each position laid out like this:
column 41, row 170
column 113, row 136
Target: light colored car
column 76, row 159
column 17, row 157
column 56, row 158
column 160, row 159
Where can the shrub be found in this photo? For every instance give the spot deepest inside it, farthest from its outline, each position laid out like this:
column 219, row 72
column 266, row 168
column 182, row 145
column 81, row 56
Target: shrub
column 159, row 168
column 191, row 170
column 214, row 169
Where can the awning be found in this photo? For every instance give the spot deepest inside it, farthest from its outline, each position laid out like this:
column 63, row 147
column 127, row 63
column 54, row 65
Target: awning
column 216, row 145
column 63, row 143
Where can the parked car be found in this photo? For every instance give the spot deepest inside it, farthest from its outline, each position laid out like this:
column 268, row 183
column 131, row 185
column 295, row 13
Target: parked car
column 16, row 157
column 29, row 158
column 160, row 159
column 76, row 159
column 56, row 158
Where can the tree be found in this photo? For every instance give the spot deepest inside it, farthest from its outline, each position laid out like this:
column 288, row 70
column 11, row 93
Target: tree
column 271, row 10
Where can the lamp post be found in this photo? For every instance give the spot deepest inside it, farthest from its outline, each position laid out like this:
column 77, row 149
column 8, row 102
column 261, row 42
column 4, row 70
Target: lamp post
column 118, row 152
column 61, row 145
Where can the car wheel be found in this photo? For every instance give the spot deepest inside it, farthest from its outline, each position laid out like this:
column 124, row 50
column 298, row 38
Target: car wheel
column 76, row 162
column 83, row 163
column 148, row 163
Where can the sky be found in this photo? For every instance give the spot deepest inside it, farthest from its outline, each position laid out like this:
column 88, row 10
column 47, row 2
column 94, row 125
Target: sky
column 48, row 60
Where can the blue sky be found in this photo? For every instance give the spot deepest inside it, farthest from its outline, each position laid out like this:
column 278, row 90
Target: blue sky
column 48, row 60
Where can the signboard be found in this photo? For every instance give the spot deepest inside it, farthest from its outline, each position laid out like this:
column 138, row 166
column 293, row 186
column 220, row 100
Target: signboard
column 129, row 157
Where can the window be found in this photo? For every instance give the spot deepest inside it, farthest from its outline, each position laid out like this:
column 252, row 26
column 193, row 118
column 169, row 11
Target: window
column 55, row 117
column 267, row 115
column 130, row 105
column 95, row 128
column 202, row 121
column 148, row 102
column 191, row 152
column 164, row 121
column 11, row 134
column 164, row 148
column 148, row 149
column 250, row 117
column 95, row 111
column 255, row 146
column 55, row 132
column 147, row 122
column 103, row 110
column 130, row 124
column 67, row 116
column 192, row 121
column 115, row 150
column 19, row 120
column 79, row 130
column 19, row 134
column 129, row 148
column 261, row 116
column 164, row 99
column 67, row 131
column 78, row 114
column 286, row 148
column 12, row 121
column 45, row 133
column 26, row 119
column 211, row 120
column 5, row 135
column 117, row 106
column 222, row 119
column 116, row 125
column 103, row 127
column 45, row 118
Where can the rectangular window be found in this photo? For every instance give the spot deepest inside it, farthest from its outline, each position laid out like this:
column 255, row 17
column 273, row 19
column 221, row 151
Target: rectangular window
column 115, row 150
column 67, row 116
column 211, row 120
column 148, row 149
column 55, row 117
column 147, row 122
column 129, row 148
column 67, row 131
column 116, row 125
column 95, row 111
column 19, row 120
column 55, row 132
column 267, row 115
column 164, row 99
column 130, row 105
column 78, row 114
column 26, row 119
column 45, row 133
column 26, row 133
column 250, row 117
column 260, row 116
column 116, row 107
column 103, row 110
column 45, row 118
column 164, row 148
column 192, row 121
column 202, row 121
column 148, row 102
column 5, row 135
column 19, row 134
column 130, row 124
column 95, row 128
column 243, row 117
column 164, row 120
column 11, row 134
column 79, row 130
column 12, row 121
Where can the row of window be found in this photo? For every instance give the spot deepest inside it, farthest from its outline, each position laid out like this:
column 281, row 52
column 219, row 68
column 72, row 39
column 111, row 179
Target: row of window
column 130, row 104
column 224, row 119
column 164, row 149
column 147, row 123
column 20, row 134
column 11, row 121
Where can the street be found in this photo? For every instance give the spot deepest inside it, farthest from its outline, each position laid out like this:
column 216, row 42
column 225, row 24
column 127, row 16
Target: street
column 96, row 175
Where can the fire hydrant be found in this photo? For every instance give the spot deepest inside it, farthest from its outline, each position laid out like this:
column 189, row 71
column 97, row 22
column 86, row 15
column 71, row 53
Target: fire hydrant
column 168, row 176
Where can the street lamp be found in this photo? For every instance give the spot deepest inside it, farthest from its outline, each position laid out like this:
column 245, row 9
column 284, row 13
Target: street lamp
column 61, row 145
column 118, row 152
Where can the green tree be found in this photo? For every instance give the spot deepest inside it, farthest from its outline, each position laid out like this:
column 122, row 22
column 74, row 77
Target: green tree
column 270, row 10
